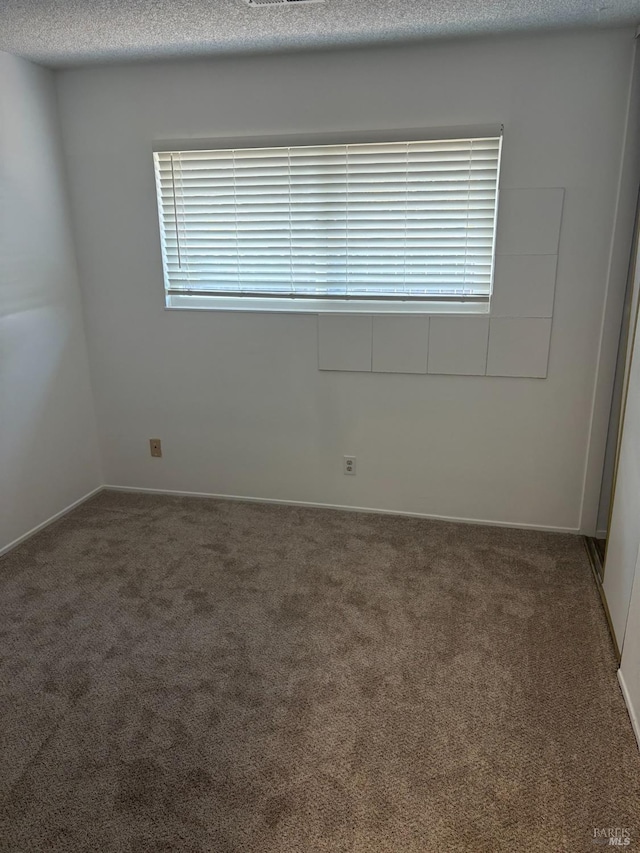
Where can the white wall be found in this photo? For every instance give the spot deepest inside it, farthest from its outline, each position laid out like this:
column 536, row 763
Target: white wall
column 48, row 441
column 630, row 667
column 599, row 475
column 624, row 533
column 237, row 399
column 622, row 566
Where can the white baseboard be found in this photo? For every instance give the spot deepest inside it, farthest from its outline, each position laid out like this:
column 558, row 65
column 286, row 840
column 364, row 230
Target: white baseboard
column 601, row 534
column 39, row 527
column 366, row 509
column 627, row 701
column 310, row 504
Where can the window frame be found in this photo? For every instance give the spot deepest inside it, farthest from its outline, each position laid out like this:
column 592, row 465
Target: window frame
column 344, row 304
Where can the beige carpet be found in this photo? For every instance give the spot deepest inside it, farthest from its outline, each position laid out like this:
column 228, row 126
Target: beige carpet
column 193, row 675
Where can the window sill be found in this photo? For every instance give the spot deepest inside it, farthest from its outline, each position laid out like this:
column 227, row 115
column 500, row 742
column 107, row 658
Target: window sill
column 320, row 306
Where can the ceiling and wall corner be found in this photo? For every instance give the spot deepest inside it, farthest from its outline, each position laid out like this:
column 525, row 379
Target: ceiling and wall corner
column 80, row 32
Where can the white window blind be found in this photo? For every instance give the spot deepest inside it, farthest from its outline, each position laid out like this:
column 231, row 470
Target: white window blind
column 383, row 221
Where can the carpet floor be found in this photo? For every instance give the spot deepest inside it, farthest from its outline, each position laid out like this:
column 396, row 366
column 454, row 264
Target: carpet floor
column 194, row 675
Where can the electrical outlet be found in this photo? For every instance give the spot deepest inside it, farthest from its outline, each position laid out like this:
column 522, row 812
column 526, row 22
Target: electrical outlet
column 156, row 447
column 350, row 465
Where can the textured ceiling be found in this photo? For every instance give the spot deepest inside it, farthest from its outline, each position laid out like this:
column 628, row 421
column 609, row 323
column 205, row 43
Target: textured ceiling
column 61, row 33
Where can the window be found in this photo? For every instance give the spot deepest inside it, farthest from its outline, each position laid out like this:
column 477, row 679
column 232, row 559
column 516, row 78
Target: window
column 383, row 224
